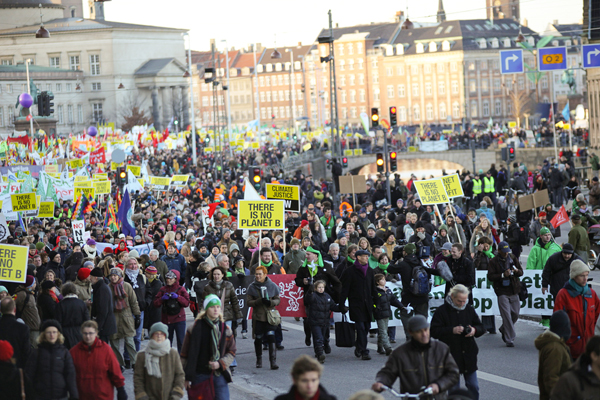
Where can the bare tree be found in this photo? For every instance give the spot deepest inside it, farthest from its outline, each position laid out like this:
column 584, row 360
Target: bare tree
column 134, row 113
column 521, row 104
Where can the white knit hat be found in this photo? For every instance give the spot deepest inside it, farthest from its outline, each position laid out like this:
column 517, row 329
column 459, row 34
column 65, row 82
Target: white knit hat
column 578, row 267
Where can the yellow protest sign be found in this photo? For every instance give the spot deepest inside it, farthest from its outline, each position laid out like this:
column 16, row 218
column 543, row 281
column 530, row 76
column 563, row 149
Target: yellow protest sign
column 160, row 183
column 261, row 214
column 13, row 263
column 46, row 209
column 512, row 124
column 101, row 176
column 306, row 147
column 80, row 178
column 114, row 166
column 290, row 194
column 135, row 169
column 208, row 150
column 75, row 163
column 86, row 183
column 566, row 127
column 358, row 152
column 51, row 168
column 179, row 180
column 23, row 202
column 86, row 191
column 256, row 145
column 431, row 191
column 348, row 152
column 453, row 186
column 102, row 187
column 142, row 182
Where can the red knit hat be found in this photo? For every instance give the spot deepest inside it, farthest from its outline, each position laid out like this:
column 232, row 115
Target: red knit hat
column 83, row 273
column 303, row 223
column 6, row 351
column 108, row 250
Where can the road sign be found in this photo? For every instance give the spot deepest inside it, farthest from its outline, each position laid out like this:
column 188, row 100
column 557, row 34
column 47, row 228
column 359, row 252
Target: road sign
column 552, row 58
column 591, row 55
column 511, row 61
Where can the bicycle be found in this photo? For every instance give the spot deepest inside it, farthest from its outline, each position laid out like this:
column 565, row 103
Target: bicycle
column 407, row 396
column 513, row 202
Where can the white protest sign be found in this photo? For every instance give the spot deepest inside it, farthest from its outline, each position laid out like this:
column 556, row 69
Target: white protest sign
column 78, row 231
column 206, row 220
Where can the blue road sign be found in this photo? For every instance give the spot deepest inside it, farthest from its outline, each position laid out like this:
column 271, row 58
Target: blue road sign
column 511, row 61
column 591, row 55
column 552, row 58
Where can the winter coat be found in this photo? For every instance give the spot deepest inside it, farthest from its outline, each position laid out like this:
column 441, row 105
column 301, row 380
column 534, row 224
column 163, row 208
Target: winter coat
column 360, row 291
column 335, row 264
column 554, row 360
column 10, row 382
column 539, row 253
column 71, row 312
column 417, row 367
column 183, row 299
column 512, row 236
column 578, row 237
column 170, row 386
column 594, row 194
column 319, row 307
column 17, row 334
column 231, row 303
column 98, row 371
column 175, row 262
column 46, row 307
column 140, row 291
column 462, row 271
column 384, row 300
column 583, row 313
column 405, row 269
column 29, row 312
column 152, row 313
column 259, row 310
column 52, row 372
column 577, row 383
column 556, row 272
column 536, row 226
column 333, row 286
column 477, row 234
column 481, row 261
column 292, row 395
column 125, row 317
column 496, row 269
column 439, row 242
column 463, row 349
column 102, row 309
column 293, row 260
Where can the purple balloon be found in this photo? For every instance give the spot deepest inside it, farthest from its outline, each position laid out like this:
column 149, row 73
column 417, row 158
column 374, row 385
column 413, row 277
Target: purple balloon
column 92, row 131
column 25, row 100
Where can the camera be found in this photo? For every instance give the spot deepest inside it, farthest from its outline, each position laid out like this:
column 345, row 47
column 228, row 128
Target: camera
column 466, row 330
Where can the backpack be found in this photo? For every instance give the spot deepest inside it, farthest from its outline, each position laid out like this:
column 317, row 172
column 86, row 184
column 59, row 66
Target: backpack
column 419, row 282
column 171, row 307
column 524, row 236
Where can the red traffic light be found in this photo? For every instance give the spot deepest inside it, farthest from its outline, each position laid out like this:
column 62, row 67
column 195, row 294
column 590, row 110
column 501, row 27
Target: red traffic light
column 511, row 150
column 344, row 160
column 393, row 155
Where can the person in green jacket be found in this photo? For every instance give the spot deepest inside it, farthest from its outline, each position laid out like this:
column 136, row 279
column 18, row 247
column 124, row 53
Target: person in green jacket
column 578, row 238
column 544, row 247
column 374, row 258
column 328, row 221
column 294, row 258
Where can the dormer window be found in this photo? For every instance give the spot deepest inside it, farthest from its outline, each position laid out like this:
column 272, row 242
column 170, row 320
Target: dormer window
column 432, row 47
column 269, row 67
column 399, row 49
column 420, row 48
column 445, row 45
column 259, row 68
column 506, row 42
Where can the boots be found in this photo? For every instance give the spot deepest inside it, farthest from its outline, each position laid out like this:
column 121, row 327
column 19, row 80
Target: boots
column 258, row 351
column 273, row 356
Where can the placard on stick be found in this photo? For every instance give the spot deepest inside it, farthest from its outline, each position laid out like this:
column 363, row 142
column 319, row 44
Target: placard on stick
column 359, row 182
column 540, row 198
column 431, row 191
column 526, row 202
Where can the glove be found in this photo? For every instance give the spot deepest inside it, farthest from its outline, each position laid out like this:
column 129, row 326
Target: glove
column 421, row 235
column 174, row 295
column 344, row 309
column 266, row 302
column 138, row 321
column 238, row 321
column 121, row 393
column 165, row 297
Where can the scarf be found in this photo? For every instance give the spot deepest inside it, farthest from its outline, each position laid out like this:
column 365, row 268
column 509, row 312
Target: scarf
column 132, row 275
column 351, row 261
column 312, row 268
column 120, row 295
column 384, row 267
column 361, row 268
column 581, row 290
column 215, row 336
column 267, row 266
column 488, row 253
column 154, row 351
column 53, row 295
column 449, row 301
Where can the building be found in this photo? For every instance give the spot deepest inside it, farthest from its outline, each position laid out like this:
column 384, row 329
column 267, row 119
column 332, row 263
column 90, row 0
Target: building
column 503, row 9
column 591, row 11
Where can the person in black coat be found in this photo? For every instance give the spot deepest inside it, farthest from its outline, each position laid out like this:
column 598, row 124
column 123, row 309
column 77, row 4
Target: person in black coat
column 462, row 270
column 14, row 332
column 102, row 306
column 152, row 314
column 306, row 376
column 358, row 286
column 421, row 238
column 71, row 312
column 47, row 301
column 140, row 286
column 51, row 367
column 10, row 376
column 556, row 270
column 512, row 236
column 456, row 323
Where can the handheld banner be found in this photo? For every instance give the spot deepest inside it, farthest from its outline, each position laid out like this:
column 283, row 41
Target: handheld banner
column 78, row 231
column 75, row 163
column 135, row 169
column 431, row 191
column 263, row 214
column 97, row 157
column 46, row 209
column 179, row 180
column 453, row 186
column 13, row 263
column 23, row 202
column 160, row 183
column 102, row 187
column 87, row 191
column 290, row 194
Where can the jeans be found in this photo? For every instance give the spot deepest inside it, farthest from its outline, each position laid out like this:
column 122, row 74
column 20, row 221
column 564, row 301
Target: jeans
column 129, row 348
column 177, row 328
column 219, row 382
column 471, row 383
column 362, row 329
column 137, row 339
column 391, row 332
column 421, row 309
column 382, row 334
column 320, row 335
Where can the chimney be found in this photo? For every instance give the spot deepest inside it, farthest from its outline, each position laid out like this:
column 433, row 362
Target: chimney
column 299, row 44
column 399, row 16
column 555, row 22
column 525, row 23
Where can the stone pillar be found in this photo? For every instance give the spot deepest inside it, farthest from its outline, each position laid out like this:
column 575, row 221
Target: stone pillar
column 175, row 102
column 156, row 109
column 167, row 108
column 185, row 101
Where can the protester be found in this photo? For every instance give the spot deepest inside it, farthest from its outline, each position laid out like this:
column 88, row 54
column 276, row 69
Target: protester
column 71, row 312
column 14, row 332
column 102, row 306
column 14, row 383
column 173, row 299
column 306, row 376
column 582, row 380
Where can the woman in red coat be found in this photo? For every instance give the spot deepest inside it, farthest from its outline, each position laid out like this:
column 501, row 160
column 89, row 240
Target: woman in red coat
column 173, row 299
column 96, row 366
column 582, row 305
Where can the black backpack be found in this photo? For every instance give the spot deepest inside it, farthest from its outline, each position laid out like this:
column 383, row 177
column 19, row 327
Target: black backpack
column 524, row 238
column 171, row 307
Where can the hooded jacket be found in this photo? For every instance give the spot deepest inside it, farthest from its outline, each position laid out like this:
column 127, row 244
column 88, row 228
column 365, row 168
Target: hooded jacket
column 52, row 372
column 293, row 260
column 554, row 360
column 183, row 299
column 175, row 262
column 577, row 383
column 539, row 253
column 556, row 272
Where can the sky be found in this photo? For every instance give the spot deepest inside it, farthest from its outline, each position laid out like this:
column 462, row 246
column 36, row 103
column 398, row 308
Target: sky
column 287, row 22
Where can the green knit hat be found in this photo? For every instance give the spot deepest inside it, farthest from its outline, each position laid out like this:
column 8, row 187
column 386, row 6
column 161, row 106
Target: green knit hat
column 39, row 246
column 309, row 249
column 410, row 248
column 544, row 231
column 211, row 300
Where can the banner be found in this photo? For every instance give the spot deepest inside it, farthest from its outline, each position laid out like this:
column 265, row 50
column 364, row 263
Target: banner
column 207, row 220
column 98, row 157
column 46, row 209
column 78, row 231
column 179, row 180
column 431, row 191
column 102, row 187
column 290, row 194
column 433, row 145
column 13, row 263
column 453, row 186
column 160, row 183
column 23, row 202
column 264, row 214
column 87, row 191
column 75, row 163
column 135, row 169
column 291, row 297
column 33, row 213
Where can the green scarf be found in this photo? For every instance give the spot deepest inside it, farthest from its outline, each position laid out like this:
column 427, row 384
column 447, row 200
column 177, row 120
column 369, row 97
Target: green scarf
column 373, row 262
column 488, row 253
column 384, row 267
column 581, row 290
column 312, row 269
column 215, row 336
column 351, row 261
column 266, row 265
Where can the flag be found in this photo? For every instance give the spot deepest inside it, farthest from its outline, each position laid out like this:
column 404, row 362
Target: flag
column 566, row 113
column 551, row 113
column 80, row 208
column 560, row 218
column 124, row 216
column 111, row 219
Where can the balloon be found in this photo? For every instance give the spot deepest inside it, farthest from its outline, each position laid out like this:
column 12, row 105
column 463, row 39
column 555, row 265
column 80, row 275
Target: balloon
column 28, row 118
column 92, row 131
column 25, row 100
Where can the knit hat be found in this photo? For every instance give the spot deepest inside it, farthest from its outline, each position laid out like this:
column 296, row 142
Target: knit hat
column 3, row 289
column 371, row 226
column 420, row 224
column 134, row 254
column 211, row 300
column 560, row 324
column 578, row 267
column 341, row 233
column 417, row 322
column 39, row 245
column 362, row 252
column 446, row 246
column 294, row 241
column 567, row 248
column 159, row 327
column 83, row 273
column 48, row 285
column 410, row 249
column 151, row 270
column 544, row 231
column 32, row 247
column 97, row 272
column 6, row 351
column 29, row 280
column 116, row 271
column 108, row 250
column 52, row 254
column 542, row 214
column 303, row 223
column 50, row 322
column 90, row 242
column 443, row 227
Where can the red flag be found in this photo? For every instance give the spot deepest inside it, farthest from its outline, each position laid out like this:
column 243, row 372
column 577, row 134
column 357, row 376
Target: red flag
column 560, row 218
column 212, row 207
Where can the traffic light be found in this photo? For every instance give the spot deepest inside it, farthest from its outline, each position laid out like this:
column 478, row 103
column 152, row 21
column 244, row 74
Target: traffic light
column 374, row 117
column 393, row 163
column 345, row 162
column 40, row 104
column 206, row 140
column 393, row 117
column 48, row 103
column 256, row 178
column 380, row 162
column 511, row 152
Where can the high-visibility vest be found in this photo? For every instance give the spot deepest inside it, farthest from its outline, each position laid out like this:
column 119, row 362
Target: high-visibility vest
column 347, row 206
column 199, row 191
column 232, row 191
column 476, row 186
column 488, row 186
column 218, row 193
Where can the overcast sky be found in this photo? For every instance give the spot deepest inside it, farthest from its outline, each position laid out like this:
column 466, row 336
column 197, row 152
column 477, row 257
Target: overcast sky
column 242, row 22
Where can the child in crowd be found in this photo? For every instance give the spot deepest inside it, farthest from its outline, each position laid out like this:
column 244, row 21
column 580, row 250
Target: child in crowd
column 383, row 311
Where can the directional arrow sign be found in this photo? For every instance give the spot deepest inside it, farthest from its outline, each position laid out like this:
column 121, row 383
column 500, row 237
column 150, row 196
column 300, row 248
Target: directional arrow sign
column 552, row 58
column 591, row 55
column 511, row 61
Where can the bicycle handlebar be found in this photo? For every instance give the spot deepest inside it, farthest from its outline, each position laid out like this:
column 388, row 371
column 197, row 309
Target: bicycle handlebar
column 427, row 391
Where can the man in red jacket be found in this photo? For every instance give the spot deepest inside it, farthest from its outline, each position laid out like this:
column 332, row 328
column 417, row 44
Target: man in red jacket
column 98, row 371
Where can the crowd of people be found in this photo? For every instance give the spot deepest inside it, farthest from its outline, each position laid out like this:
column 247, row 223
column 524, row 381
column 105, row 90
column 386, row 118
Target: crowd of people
column 88, row 311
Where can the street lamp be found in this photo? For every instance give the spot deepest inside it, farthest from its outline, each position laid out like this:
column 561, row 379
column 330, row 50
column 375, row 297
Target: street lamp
column 292, row 89
column 189, row 71
column 257, row 97
column 228, row 98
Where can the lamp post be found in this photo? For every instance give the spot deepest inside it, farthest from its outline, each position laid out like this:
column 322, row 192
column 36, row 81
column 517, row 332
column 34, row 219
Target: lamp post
column 194, row 157
column 257, row 95
column 228, row 99
column 292, row 89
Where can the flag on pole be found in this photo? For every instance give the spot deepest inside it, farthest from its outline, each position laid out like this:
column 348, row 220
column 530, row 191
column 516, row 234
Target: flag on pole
column 124, row 216
column 566, row 113
column 111, row 219
column 560, row 218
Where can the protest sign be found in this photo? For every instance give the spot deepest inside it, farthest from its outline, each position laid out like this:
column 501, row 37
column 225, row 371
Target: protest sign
column 78, row 231
column 453, row 186
column 525, row 202
column 264, row 214
column 13, row 263
column 290, row 195
column 135, row 169
column 101, row 176
column 23, row 202
column 33, row 213
column 206, row 219
column 179, row 180
column 540, row 198
column 97, row 157
column 46, row 209
column 86, row 191
column 84, row 183
column 291, row 297
column 81, row 178
column 160, row 183
column 75, row 163
column 353, row 184
column 102, row 187
column 53, row 168
column 4, row 231
column 431, row 191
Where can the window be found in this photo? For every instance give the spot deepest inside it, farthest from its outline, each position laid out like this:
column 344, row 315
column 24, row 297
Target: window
column 59, row 114
column 341, row 49
column 427, row 68
column 351, row 80
column 361, row 79
column 58, row 87
column 521, row 82
column 454, row 67
column 353, row 113
column 374, row 62
column 473, row 109
column 343, row 96
column 472, row 85
column 342, row 65
column 495, row 64
column 531, row 84
column 361, row 96
column 351, row 65
column 416, row 112
column 497, row 107
column 9, row 88
column 80, row 113
column 96, row 86
column 401, row 91
column 261, row 81
column 544, row 82
column 414, row 69
column 389, row 71
column 509, row 107
column 420, row 48
column 471, row 66
column 400, row 70
column 286, row 80
column 279, row 80
column 68, row 87
column 485, row 85
column 7, row 61
column 344, row 113
column 441, row 67
column 428, row 89
column 415, row 89
column 205, row 100
column 390, row 91
column 441, row 87
column 350, row 49
column 343, row 80
column 359, row 48
column 353, row 96
column 484, row 64
column 360, row 63
column 95, row 67
column 376, row 94
column 97, row 112
column 402, row 114
column 262, row 96
column 375, row 77
column 486, row 108
column 455, row 110
column 497, row 85
column 429, row 111
column 70, row 114
column 55, row 62
column 443, row 114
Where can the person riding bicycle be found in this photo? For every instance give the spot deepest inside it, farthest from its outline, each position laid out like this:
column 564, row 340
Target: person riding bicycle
column 420, row 363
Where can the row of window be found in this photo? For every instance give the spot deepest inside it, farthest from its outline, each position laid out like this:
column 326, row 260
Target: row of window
column 416, row 90
column 280, row 112
column 74, row 62
column 70, row 114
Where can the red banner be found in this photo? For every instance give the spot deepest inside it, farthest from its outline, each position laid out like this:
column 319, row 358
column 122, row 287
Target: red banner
column 560, row 218
column 291, row 296
column 97, row 157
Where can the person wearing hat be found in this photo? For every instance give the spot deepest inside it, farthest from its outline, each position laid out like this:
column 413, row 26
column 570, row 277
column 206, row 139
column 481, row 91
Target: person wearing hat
column 421, row 238
column 47, row 300
column 89, row 250
column 102, row 306
column 50, row 367
column 581, row 302
column 578, row 238
column 439, row 375
column 160, row 375
column 26, row 307
column 83, row 284
column 152, row 314
column 556, row 270
column 14, row 331
column 172, row 299
column 538, row 223
column 543, row 248
column 504, row 271
column 295, row 258
column 372, row 237
column 10, row 375
column 554, row 355
column 594, row 194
